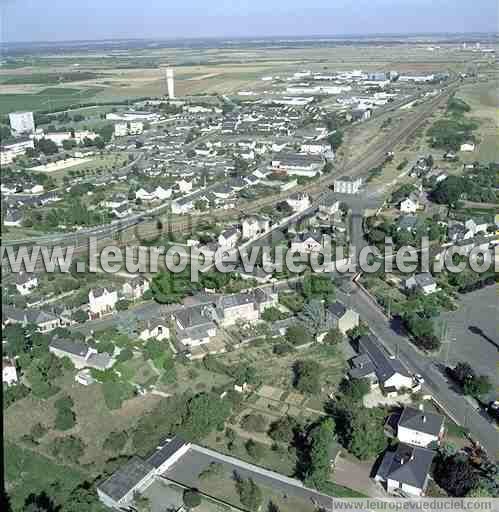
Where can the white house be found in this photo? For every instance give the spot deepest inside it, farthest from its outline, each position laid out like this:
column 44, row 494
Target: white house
column 467, row 147
column 155, row 328
column 239, row 306
column 424, row 282
column 347, row 185
column 9, row 371
column 409, row 204
column 341, row 317
column 120, row 130
column 316, row 148
column 476, row 226
column 420, row 428
column 194, row 325
column 306, row 242
column 328, row 207
column 229, row 238
column 184, row 185
column 10, row 151
column 26, row 282
column 255, row 225
column 136, row 287
column 102, row 301
column 299, row 201
column 406, row 470
column 80, row 354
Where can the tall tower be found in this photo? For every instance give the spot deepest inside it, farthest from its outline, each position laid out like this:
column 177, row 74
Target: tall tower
column 170, row 83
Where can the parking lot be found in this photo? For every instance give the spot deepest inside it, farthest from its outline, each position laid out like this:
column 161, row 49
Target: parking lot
column 473, row 333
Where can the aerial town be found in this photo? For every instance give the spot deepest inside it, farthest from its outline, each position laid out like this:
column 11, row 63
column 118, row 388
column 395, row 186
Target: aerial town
column 253, row 389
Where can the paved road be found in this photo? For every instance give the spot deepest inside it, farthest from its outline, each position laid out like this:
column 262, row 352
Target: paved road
column 454, row 403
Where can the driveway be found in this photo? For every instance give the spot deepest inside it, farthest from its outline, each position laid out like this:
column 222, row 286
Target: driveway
column 355, row 475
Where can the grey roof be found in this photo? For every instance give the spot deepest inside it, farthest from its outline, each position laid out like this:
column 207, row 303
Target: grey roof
column 297, row 158
column 408, row 464
column 237, row 299
column 100, row 361
column 126, row 478
column 422, row 421
column 408, row 222
column 76, row 348
column 301, row 237
column 13, row 215
column 362, row 366
column 192, row 316
column 385, row 366
column 424, row 279
column 228, row 233
column 165, row 452
column 35, row 316
column 337, row 309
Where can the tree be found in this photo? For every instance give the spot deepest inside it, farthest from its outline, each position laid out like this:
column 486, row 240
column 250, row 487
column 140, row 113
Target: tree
column 115, row 441
column 192, row 498
column 80, row 316
column 335, row 139
column 462, row 372
column 448, row 191
column 255, row 450
column 254, row 423
column 319, row 286
column 360, row 430
column 456, row 475
column 205, row 412
column 314, row 317
column 320, row 439
column 46, row 146
column 283, row 430
column 250, row 494
column 334, row 337
column 297, row 334
column 70, row 448
column 355, row 389
column 307, row 376
column 477, row 386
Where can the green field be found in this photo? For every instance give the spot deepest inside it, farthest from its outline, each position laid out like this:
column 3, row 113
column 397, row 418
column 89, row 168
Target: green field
column 47, row 99
column 28, row 472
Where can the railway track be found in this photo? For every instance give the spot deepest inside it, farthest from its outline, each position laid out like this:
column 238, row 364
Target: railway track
column 357, row 167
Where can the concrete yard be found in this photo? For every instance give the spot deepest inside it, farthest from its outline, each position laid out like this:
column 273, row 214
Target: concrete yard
column 472, row 333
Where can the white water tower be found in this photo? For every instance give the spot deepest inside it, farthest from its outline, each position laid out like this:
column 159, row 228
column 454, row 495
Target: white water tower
column 170, row 83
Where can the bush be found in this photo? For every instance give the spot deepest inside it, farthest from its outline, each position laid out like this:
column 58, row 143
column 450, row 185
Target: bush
column 70, row 448
column 192, row 498
column 307, row 376
column 254, row 423
column 115, row 442
column 125, row 355
column 255, row 450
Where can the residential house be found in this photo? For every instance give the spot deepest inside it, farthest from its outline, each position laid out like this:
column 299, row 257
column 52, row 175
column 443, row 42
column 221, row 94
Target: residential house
column 407, row 223
column 374, row 363
column 80, row 354
column 136, row 287
column 423, row 281
column 84, row 377
column 299, row 201
column 239, row 306
column 13, row 217
column 298, row 164
column 182, row 205
column 194, row 325
column 122, row 211
column 115, row 201
column 155, row 328
column 467, row 147
column 328, row 207
column 229, row 238
column 316, row 148
column 307, row 242
column 255, row 225
column 406, row 470
column 419, row 427
column 102, row 301
column 410, row 204
column 347, row 185
column 44, row 321
column 26, row 282
column 185, row 185
column 341, row 317
column 476, row 225
column 9, row 371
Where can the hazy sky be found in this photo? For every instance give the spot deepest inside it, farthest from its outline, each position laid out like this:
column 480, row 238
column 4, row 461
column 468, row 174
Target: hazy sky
column 52, row 20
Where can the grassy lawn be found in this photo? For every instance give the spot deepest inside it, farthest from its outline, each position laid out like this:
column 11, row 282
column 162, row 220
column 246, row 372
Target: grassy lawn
column 29, row 472
column 94, row 420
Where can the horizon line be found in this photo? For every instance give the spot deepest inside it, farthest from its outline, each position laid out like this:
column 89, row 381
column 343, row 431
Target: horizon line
column 255, row 37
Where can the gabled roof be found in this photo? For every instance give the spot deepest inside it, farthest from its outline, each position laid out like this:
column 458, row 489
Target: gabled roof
column 165, row 452
column 421, row 421
column 76, row 348
column 337, row 309
column 407, row 464
column 385, row 366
